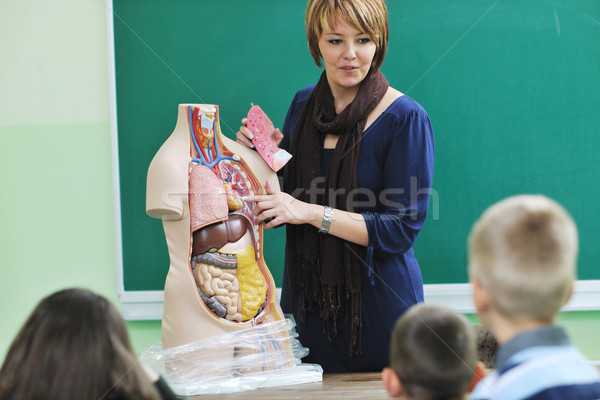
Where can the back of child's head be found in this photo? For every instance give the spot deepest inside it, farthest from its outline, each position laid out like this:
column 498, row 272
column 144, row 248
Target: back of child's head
column 74, row 345
column 433, row 352
column 523, row 251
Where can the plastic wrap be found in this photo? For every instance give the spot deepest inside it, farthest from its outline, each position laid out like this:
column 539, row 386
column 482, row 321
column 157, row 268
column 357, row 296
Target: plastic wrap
column 264, row 355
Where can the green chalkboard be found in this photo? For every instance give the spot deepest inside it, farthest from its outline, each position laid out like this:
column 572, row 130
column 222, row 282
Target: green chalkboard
column 511, row 87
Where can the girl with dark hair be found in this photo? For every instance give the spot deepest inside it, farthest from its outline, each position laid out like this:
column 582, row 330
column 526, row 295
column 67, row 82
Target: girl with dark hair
column 75, row 345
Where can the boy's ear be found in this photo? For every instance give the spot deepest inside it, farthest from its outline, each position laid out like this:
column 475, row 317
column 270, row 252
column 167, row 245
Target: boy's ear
column 481, row 297
column 391, row 382
column 478, row 374
column 570, row 293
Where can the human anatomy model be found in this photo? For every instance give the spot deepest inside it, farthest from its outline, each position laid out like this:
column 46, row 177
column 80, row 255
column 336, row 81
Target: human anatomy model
column 217, row 281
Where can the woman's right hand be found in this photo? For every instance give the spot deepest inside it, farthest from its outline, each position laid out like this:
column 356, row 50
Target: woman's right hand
column 244, row 136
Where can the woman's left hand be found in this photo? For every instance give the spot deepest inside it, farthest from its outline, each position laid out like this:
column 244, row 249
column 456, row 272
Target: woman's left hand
column 278, row 207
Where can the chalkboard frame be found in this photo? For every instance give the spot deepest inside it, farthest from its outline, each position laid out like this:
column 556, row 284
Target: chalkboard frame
column 147, row 304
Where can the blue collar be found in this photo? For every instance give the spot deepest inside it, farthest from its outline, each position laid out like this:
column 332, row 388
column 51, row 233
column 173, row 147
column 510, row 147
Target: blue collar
column 546, row 336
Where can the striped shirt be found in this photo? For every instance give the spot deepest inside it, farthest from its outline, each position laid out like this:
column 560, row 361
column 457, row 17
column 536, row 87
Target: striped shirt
column 540, row 365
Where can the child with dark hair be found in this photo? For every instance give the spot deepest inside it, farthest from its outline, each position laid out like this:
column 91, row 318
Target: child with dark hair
column 432, row 355
column 75, row 345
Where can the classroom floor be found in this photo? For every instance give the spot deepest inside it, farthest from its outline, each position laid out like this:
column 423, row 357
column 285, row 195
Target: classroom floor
column 334, row 386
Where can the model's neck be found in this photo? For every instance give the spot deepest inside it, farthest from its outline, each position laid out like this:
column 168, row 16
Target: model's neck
column 183, row 117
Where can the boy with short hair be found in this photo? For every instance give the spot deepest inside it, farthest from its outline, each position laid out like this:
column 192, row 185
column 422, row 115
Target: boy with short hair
column 432, row 355
column 522, row 262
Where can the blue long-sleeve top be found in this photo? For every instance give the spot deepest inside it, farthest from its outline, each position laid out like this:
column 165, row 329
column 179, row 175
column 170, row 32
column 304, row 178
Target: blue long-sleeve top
column 394, row 176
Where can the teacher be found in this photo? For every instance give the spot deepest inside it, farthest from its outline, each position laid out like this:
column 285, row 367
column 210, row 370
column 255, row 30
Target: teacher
column 356, row 192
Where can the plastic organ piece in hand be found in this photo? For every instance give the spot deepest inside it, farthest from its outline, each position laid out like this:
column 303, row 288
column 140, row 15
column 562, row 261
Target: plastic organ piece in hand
column 262, row 128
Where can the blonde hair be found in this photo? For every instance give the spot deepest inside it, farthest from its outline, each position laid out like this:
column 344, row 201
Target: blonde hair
column 523, row 250
column 433, row 352
column 368, row 16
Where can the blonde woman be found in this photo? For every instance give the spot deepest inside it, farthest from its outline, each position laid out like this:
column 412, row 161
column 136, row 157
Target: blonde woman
column 356, row 191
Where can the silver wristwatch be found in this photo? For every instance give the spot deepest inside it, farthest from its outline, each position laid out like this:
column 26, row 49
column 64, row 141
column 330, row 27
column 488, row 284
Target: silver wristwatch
column 326, row 223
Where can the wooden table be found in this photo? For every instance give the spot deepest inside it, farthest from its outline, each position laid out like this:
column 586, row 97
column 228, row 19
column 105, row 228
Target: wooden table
column 364, row 385
column 361, row 385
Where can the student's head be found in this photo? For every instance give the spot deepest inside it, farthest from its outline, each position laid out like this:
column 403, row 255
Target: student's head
column 432, row 354
column 366, row 16
column 523, row 254
column 74, row 345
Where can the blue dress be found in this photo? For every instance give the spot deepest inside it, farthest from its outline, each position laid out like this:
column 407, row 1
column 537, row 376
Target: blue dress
column 395, row 171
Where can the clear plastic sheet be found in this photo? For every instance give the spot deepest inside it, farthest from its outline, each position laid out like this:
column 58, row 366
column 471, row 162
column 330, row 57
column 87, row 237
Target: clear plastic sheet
column 264, row 355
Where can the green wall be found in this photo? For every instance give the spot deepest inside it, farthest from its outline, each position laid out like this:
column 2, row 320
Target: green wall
column 56, row 167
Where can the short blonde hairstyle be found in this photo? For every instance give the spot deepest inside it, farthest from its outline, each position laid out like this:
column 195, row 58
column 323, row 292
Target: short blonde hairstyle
column 523, row 251
column 368, row 16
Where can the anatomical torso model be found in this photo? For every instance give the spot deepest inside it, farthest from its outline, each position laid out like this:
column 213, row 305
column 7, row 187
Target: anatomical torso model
column 217, row 280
